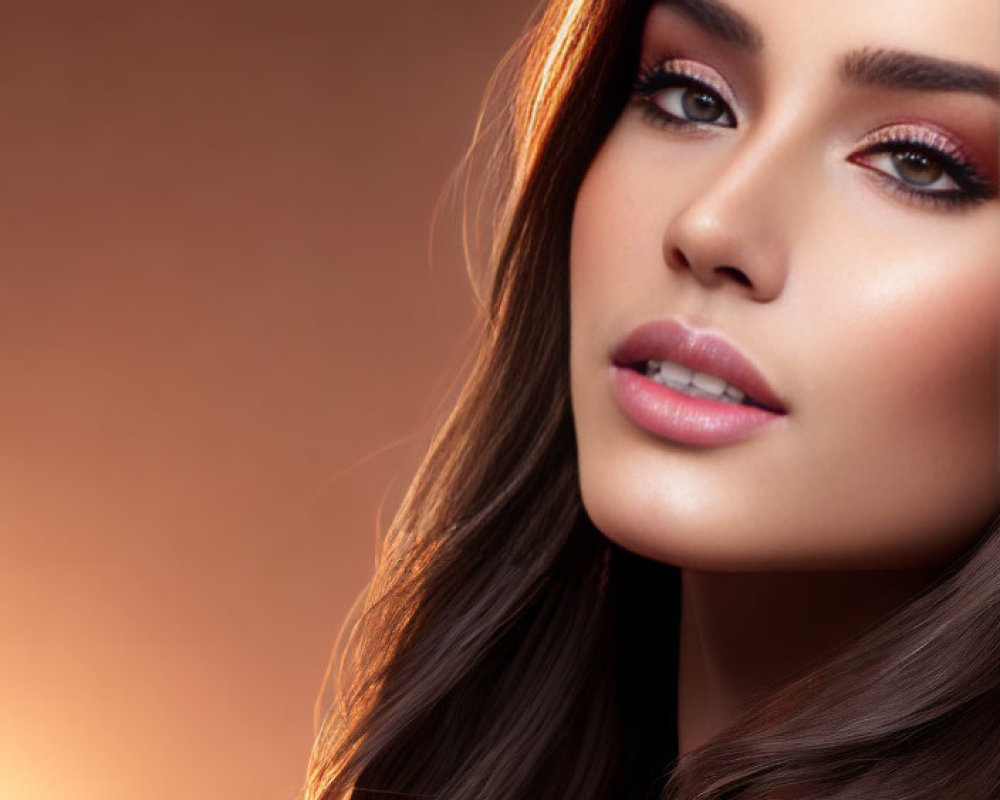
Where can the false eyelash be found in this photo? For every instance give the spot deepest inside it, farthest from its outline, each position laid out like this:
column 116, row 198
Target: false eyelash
column 655, row 76
column 973, row 187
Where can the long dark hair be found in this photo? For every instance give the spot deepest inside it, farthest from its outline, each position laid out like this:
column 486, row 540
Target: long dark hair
column 507, row 650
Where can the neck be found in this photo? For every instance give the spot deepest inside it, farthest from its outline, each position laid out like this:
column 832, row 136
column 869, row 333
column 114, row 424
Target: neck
column 743, row 636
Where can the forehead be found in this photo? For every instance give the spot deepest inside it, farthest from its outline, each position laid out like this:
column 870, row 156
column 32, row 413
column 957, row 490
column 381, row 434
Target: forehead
column 963, row 30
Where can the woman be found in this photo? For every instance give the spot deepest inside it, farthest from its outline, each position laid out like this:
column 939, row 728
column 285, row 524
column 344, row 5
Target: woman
column 714, row 516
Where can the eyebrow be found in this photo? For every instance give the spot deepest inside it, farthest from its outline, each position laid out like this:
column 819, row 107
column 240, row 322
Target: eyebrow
column 897, row 69
column 886, row 68
column 719, row 20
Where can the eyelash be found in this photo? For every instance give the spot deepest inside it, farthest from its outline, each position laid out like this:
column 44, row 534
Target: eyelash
column 973, row 187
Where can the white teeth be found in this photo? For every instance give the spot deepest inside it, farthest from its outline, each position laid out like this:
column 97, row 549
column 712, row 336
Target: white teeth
column 709, row 383
column 674, row 373
column 736, row 394
column 696, row 384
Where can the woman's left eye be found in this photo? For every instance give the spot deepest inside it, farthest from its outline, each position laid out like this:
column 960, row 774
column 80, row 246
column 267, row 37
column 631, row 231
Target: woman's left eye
column 922, row 170
column 924, row 173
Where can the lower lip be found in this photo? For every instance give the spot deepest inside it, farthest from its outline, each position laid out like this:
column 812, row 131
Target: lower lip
column 671, row 415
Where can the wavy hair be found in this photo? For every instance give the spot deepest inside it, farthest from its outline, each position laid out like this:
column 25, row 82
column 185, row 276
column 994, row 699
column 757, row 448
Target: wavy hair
column 506, row 650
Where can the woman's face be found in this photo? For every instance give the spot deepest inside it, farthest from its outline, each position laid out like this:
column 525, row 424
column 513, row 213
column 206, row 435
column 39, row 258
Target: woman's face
column 801, row 201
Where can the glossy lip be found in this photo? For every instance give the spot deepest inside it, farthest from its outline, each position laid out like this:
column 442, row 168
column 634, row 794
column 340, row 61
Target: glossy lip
column 675, row 416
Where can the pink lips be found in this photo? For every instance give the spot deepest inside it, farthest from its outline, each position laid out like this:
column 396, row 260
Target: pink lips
column 675, row 416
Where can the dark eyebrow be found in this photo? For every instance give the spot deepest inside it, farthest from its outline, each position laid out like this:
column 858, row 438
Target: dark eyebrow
column 891, row 69
column 719, row 20
column 897, row 69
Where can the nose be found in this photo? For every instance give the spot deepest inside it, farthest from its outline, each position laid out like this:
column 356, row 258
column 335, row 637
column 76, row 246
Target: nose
column 733, row 231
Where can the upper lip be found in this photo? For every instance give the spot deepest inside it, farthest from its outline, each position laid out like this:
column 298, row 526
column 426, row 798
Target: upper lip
column 670, row 340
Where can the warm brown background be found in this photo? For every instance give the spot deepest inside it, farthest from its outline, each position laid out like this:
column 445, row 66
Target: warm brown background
column 215, row 303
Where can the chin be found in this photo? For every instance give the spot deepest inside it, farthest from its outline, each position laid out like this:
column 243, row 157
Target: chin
column 672, row 532
column 691, row 532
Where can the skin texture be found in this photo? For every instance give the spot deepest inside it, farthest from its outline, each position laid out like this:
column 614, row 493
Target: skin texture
column 875, row 317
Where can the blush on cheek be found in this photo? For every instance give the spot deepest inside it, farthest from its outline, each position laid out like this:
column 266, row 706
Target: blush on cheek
column 948, row 417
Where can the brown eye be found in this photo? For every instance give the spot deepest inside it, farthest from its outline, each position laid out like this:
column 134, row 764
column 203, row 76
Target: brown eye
column 923, row 165
column 700, row 106
column 692, row 104
column 917, row 168
column 914, row 169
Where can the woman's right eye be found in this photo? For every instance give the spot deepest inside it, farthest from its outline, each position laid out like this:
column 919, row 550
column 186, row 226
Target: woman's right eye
column 672, row 97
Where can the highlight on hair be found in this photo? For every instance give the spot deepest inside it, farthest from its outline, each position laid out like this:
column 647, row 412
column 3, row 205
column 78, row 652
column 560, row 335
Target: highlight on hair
column 493, row 659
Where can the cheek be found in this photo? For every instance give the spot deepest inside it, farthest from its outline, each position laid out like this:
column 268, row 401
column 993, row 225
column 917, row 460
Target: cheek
column 617, row 272
column 907, row 409
column 610, row 247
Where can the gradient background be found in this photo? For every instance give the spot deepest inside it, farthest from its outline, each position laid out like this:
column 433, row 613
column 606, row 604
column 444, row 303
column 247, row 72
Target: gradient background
column 223, row 348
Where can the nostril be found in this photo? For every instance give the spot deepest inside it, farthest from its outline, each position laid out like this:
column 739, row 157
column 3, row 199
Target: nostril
column 680, row 259
column 737, row 275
